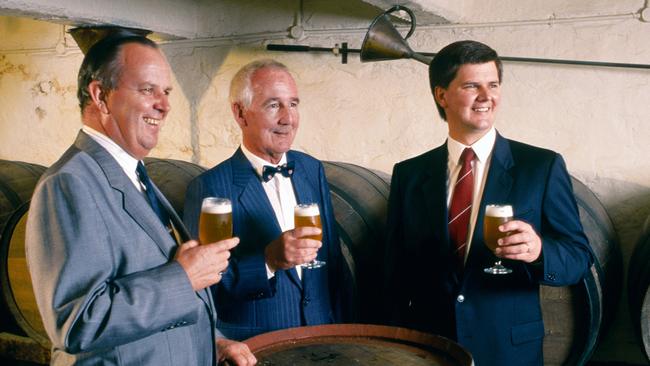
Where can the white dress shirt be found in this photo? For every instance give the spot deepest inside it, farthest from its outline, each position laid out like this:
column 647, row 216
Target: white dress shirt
column 280, row 192
column 124, row 159
column 480, row 166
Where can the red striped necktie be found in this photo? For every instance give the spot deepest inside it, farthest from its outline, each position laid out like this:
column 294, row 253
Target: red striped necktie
column 460, row 208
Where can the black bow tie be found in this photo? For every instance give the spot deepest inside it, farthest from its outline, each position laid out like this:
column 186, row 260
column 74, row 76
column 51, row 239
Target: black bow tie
column 269, row 171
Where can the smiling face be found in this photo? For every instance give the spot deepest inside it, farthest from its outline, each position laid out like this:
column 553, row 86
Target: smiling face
column 134, row 112
column 270, row 123
column 470, row 101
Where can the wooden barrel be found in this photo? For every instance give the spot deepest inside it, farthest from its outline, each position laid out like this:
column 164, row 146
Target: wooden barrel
column 360, row 197
column 17, row 290
column 17, row 182
column 639, row 288
column 574, row 316
column 172, row 177
column 356, row 344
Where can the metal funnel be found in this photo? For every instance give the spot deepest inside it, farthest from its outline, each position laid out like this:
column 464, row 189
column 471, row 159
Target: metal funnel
column 383, row 42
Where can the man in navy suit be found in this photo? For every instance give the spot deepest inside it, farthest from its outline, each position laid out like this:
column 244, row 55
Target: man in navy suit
column 437, row 283
column 265, row 288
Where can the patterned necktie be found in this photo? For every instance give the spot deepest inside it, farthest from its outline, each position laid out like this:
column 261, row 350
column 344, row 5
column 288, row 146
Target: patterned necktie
column 285, row 169
column 155, row 203
column 460, row 208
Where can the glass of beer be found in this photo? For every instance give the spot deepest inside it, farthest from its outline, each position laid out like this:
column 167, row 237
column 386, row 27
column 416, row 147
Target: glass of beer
column 495, row 215
column 309, row 215
column 215, row 222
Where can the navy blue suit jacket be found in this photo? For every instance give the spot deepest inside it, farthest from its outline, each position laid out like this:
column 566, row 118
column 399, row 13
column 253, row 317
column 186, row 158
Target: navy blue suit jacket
column 247, row 302
column 498, row 318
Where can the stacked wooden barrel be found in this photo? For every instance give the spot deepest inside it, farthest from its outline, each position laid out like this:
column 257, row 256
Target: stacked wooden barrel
column 574, row 316
column 639, row 288
column 19, row 315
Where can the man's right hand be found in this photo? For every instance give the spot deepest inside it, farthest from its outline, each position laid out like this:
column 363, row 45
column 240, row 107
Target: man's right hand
column 292, row 248
column 205, row 263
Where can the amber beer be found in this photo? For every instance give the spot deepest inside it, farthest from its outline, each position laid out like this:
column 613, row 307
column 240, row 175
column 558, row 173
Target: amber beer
column 309, row 215
column 495, row 215
column 215, row 222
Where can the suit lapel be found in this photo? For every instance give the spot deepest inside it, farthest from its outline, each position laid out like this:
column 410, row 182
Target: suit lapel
column 300, row 181
column 177, row 223
column 252, row 196
column 133, row 201
column 435, row 191
column 136, row 205
column 497, row 190
column 499, row 180
column 254, row 201
column 304, row 194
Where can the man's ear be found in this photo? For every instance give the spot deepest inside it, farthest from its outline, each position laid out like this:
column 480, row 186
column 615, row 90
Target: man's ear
column 439, row 94
column 238, row 113
column 98, row 96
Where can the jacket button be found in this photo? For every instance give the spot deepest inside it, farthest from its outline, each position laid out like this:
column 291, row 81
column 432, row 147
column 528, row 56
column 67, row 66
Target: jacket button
column 460, row 298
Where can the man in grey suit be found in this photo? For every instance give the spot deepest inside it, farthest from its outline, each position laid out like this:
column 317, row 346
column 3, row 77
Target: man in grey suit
column 111, row 283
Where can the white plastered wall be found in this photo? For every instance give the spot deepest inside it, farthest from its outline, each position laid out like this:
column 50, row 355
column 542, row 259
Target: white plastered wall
column 377, row 114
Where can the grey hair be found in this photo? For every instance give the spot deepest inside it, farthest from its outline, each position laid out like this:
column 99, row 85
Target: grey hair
column 241, row 90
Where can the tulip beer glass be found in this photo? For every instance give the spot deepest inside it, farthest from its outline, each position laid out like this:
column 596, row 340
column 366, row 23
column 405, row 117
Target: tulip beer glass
column 215, row 222
column 495, row 215
column 309, row 215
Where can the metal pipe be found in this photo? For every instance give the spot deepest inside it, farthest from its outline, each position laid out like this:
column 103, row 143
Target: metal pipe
column 336, row 50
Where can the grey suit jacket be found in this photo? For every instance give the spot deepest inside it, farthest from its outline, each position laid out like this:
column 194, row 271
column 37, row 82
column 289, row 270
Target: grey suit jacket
column 101, row 264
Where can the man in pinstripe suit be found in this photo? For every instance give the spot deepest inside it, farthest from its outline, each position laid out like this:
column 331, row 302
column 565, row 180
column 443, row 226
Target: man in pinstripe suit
column 265, row 288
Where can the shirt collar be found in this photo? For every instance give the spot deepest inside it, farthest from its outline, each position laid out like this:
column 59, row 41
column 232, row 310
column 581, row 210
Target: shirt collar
column 126, row 161
column 259, row 163
column 482, row 148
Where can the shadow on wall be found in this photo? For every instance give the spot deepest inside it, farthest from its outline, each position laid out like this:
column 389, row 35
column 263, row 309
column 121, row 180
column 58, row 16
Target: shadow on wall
column 195, row 72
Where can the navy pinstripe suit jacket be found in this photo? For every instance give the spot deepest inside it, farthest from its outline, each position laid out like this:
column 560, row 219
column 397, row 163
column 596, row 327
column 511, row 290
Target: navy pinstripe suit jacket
column 247, row 302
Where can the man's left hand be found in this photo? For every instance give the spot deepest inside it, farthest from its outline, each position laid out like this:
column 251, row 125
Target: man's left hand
column 522, row 244
column 234, row 353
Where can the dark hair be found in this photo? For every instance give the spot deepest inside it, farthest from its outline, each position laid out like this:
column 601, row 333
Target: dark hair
column 445, row 64
column 102, row 63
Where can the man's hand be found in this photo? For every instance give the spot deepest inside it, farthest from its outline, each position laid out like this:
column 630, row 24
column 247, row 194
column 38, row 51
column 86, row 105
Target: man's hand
column 235, row 353
column 523, row 243
column 292, row 248
column 205, row 263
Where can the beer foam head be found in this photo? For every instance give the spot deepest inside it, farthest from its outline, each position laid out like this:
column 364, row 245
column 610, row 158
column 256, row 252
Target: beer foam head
column 216, row 206
column 306, row 210
column 498, row 210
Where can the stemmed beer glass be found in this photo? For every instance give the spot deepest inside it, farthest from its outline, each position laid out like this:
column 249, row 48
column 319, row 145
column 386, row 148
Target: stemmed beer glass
column 309, row 215
column 496, row 215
